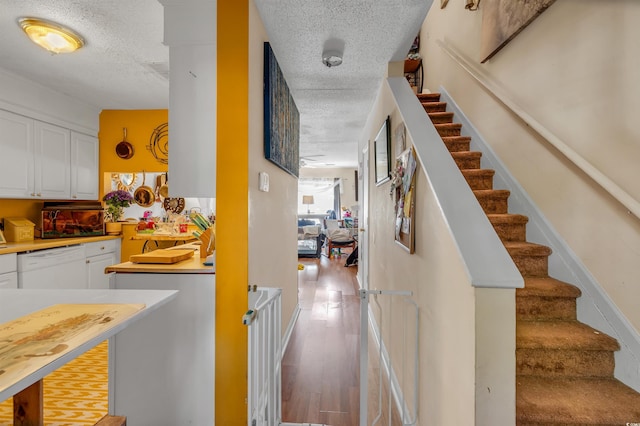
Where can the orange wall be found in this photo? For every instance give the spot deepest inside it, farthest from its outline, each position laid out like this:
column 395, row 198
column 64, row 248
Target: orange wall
column 140, row 125
column 232, row 216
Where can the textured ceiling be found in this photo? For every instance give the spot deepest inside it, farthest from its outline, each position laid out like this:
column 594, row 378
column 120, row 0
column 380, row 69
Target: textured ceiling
column 124, row 64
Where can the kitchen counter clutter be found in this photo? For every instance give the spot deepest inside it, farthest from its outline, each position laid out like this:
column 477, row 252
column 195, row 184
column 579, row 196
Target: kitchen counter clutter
column 40, row 244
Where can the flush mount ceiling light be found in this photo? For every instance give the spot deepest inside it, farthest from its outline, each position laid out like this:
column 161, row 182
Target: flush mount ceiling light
column 332, row 58
column 51, row 36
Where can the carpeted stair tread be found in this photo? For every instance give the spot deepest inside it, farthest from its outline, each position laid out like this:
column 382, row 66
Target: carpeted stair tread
column 525, row 248
column 467, row 159
column 493, row 201
column 434, row 106
column 570, row 335
column 429, row 97
column 510, row 227
column 547, row 287
column 508, row 218
column 441, row 117
column 479, row 178
column 448, row 129
column 575, row 401
column 457, row 143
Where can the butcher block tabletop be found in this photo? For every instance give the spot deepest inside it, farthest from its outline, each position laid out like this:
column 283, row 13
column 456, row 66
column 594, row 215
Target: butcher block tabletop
column 192, row 265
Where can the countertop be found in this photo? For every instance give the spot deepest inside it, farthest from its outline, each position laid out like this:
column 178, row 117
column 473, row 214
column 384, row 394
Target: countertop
column 40, row 244
column 193, row 265
column 20, row 302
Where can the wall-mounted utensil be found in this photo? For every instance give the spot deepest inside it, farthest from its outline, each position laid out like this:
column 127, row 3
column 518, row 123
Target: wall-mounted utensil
column 124, row 149
column 144, row 195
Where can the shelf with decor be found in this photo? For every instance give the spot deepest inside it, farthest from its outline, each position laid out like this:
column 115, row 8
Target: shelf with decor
column 414, row 74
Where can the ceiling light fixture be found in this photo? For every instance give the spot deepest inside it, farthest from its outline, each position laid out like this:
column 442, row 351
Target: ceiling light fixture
column 331, row 58
column 51, row 36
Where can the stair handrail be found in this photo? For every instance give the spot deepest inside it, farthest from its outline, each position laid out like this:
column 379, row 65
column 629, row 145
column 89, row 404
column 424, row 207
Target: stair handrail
column 485, row 258
column 623, row 197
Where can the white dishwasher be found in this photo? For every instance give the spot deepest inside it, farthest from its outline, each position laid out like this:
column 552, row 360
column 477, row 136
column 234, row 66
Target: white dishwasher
column 63, row 267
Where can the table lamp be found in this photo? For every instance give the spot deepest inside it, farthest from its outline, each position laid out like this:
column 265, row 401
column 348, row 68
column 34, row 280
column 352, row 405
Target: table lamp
column 307, row 199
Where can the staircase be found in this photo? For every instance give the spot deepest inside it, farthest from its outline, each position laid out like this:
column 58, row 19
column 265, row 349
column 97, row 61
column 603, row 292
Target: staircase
column 564, row 368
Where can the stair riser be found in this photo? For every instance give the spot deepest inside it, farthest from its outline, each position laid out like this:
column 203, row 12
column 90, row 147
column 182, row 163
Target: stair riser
column 467, row 161
column 511, row 232
column 457, row 145
column 445, row 130
column 435, row 107
column 564, row 363
column 532, row 266
column 494, row 204
column 478, row 182
column 429, row 97
column 545, row 308
column 441, row 118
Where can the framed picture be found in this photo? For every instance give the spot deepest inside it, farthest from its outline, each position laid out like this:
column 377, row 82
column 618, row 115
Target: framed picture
column 281, row 118
column 502, row 20
column 405, row 200
column 382, row 146
column 2, row 240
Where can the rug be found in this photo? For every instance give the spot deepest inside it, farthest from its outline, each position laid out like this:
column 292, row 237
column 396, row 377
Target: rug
column 74, row 395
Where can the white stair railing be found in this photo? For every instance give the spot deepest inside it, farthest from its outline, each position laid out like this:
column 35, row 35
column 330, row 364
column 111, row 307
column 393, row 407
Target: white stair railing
column 264, row 319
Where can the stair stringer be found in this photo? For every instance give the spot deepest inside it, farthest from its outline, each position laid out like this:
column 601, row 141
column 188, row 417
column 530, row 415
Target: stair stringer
column 595, row 307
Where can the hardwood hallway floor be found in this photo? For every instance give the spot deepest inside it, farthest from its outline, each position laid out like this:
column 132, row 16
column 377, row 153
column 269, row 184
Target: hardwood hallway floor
column 320, row 368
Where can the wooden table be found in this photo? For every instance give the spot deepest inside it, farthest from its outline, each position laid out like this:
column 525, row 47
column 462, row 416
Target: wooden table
column 41, row 330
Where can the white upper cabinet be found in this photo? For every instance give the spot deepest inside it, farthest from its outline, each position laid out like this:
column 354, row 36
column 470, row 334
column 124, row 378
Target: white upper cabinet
column 40, row 160
column 52, row 161
column 84, row 167
column 16, row 158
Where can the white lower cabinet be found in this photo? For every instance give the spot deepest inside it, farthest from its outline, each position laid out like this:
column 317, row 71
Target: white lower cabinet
column 8, row 268
column 100, row 255
column 9, row 280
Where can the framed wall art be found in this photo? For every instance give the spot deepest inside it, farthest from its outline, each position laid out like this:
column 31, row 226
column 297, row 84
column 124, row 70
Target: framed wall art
column 405, row 199
column 281, row 118
column 382, row 147
column 502, row 20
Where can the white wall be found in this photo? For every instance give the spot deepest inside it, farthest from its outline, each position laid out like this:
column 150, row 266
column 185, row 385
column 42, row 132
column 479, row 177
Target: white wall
column 33, row 100
column 273, row 232
column 441, row 287
column 573, row 70
column 348, row 196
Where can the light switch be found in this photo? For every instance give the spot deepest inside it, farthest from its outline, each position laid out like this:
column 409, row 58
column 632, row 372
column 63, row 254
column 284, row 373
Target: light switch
column 264, row 181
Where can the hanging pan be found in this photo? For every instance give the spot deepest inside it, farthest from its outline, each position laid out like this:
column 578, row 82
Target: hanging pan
column 144, row 195
column 124, row 149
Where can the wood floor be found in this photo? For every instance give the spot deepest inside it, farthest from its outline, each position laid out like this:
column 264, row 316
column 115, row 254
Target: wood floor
column 320, row 368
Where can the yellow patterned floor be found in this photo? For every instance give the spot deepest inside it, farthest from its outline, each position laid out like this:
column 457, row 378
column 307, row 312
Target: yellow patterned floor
column 75, row 394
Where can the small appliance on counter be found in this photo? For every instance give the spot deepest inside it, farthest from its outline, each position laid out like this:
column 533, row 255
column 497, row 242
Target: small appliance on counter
column 60, row 220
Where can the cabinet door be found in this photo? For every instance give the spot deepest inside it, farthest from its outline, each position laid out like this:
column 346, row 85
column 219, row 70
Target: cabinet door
column 16, row 160
column 52, row 161
column 84, row 167
column 9, row 280
column 96, row 278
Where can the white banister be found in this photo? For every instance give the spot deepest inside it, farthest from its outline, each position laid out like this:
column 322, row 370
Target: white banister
column 623, row 197
column 485, row 258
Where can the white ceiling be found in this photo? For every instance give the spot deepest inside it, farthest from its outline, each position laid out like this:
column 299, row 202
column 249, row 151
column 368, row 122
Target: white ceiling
column 125, row 65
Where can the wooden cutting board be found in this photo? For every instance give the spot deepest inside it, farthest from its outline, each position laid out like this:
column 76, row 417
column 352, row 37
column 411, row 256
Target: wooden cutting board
column 162, row 256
